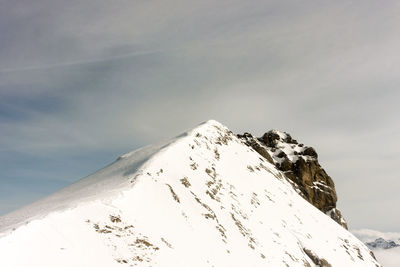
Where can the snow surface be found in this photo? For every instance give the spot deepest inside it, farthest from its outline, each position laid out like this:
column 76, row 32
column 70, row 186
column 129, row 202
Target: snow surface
column 292, row 150
column 201, row 199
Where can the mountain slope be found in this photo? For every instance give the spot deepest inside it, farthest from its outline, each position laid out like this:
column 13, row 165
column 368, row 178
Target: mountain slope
column 201, row 199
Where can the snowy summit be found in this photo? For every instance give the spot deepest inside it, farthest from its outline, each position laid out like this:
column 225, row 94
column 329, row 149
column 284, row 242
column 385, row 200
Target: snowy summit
column 204, row 198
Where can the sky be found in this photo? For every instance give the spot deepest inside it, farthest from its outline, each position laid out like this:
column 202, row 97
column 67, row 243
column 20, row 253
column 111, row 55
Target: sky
column 82, row 82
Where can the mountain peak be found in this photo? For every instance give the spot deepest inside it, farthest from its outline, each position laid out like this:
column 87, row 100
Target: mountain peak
column 204, row 198
column 108, row 181
column 382, row 243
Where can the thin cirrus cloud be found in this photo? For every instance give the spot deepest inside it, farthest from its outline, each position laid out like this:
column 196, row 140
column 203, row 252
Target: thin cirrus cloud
column 84, row 81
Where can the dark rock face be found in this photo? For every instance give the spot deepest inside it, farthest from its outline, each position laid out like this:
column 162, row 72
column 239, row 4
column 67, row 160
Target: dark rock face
column 257, row 146
column 300, row 165
column 269, row 138
column 317, row 261
column 315, row 183
column 337, row 216
column 309, row 151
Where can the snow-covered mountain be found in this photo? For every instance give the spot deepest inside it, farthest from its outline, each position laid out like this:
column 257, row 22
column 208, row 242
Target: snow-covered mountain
column 382, row 243
column 369, row 235
column 204, row 198
column 386, row 246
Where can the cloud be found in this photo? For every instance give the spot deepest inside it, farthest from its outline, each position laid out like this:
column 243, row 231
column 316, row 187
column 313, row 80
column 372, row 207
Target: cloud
column 105, row 77
column 369, row 235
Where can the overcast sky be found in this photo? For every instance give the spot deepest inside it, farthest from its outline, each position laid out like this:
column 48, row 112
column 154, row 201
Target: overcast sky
column 83, row 81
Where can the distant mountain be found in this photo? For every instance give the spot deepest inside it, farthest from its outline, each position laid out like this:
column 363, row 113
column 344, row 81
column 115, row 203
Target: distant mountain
column 368, row 235
column 386, row 246
column 382, row 243
column 205, row 198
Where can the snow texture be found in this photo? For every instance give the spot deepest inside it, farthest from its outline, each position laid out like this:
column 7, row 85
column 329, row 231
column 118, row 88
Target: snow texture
column 201, row 199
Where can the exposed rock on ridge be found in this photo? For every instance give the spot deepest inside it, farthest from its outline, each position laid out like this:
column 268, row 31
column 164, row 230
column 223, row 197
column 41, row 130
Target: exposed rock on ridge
column 204, row 198
column 300, row 165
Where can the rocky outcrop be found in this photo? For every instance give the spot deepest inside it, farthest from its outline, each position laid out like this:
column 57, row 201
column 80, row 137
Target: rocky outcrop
column 337, row 216
column 300, row 165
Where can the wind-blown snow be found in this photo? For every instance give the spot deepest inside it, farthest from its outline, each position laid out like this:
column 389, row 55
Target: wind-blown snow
column 105, row 183
column 201, row 199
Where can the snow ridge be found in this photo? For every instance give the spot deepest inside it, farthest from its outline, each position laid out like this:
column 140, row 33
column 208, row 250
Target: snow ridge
column 201, row 199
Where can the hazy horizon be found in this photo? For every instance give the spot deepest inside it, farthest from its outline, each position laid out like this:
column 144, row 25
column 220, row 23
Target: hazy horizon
column 86, row 81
